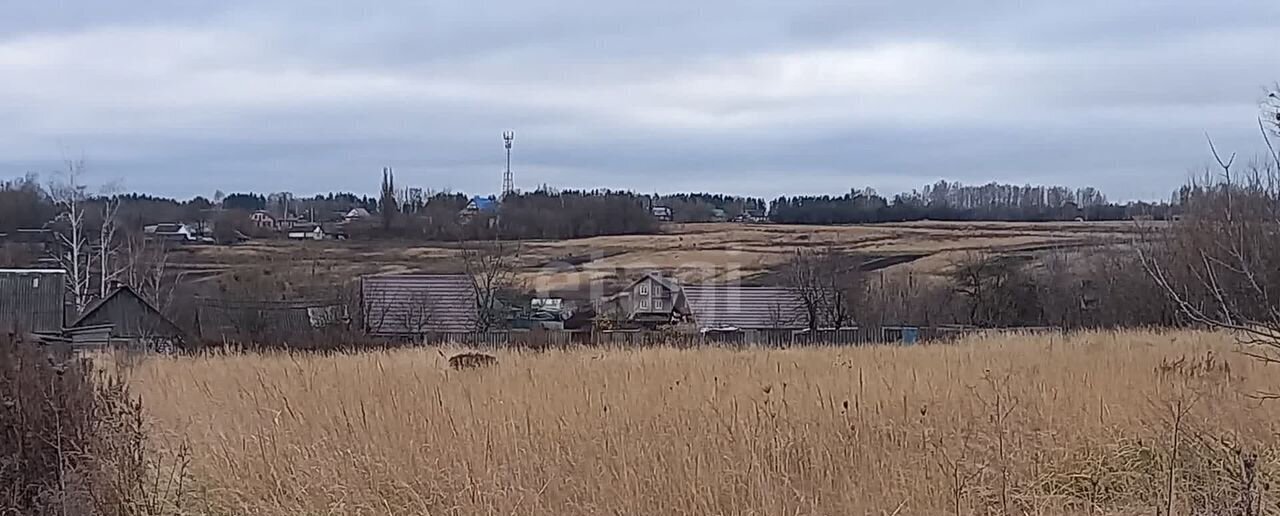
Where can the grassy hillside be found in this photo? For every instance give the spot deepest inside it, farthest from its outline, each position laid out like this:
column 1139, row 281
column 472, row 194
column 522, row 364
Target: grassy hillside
column 1097, row 423
column 692, row 252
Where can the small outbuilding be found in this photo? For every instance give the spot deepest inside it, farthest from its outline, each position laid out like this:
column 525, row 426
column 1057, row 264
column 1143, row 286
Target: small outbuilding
column 125, row 318
column 31, row 301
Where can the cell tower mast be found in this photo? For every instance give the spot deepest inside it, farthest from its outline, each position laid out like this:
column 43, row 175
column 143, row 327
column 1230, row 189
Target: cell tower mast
column 508, row 183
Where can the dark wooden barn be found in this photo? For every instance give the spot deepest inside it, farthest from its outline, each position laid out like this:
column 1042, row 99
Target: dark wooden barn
column 31, row 301
column 125, row 318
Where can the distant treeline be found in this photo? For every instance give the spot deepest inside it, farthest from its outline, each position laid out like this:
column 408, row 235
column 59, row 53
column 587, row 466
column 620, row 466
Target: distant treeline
column 552, row 214
column 955, row 201
column 701, row 207
column 573, row 214
column 537, row 215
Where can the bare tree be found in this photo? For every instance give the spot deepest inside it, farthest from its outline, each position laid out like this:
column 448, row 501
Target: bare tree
column 74, row 253
column 998, row 290
column 374, row 311
column 779, row 316
column 1220, row 264
column 492, row 268
column 387, row 205
column 145, row 267
column 420, row 314
column 109, row 271
column 829, row 285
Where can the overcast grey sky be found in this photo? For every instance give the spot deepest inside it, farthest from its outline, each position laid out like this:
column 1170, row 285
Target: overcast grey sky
column 750, row 97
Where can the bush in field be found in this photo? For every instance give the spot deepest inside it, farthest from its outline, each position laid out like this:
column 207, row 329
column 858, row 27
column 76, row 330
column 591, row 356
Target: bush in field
column 72, row 440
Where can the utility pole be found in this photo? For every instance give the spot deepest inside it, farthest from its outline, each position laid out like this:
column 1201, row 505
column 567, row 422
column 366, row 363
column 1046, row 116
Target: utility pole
column 508, row 183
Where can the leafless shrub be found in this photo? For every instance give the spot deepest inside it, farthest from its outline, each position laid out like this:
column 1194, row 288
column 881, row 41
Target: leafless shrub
column 997, row 289
column 492, row 267
column 74, row 440
column 829, row 284
column 1220, row 265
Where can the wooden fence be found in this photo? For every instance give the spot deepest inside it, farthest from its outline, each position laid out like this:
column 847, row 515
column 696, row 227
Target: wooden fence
column 753, row 338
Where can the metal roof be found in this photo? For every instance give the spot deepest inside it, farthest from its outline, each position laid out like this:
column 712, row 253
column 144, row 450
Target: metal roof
column 31, row 300
column 484, row 203
column 32, row 271
column 414, row 304
column 732, row 306
column 129, row 314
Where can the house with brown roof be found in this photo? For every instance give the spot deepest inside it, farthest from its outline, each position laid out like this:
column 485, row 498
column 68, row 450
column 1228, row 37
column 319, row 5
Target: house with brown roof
column 656, row 300
column 408, row 305
column 736, row 307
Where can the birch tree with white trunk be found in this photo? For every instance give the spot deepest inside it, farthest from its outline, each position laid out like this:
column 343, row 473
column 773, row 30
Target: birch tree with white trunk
column 74, row 254
column 110, row 270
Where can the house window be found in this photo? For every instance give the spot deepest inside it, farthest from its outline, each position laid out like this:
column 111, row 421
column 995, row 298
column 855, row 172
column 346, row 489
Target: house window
column 644, row 290
column 657, row 304
column 644, row 304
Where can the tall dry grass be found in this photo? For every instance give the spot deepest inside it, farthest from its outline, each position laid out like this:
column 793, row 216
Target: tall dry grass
column 1019, row 425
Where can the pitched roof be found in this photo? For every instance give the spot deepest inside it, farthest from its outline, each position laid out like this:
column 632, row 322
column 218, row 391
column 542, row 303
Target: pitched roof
column 130, row 315
column 484, row 203
column 413, row 304
column 732, row 306
column 169, row 228
column 31, row 300
column 669, row 283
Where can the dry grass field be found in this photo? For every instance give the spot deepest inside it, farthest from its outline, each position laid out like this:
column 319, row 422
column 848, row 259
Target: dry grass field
column 1095, row 423
column 691, row 252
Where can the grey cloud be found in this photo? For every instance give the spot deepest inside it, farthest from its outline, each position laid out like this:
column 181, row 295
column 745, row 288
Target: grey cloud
column 754, row 97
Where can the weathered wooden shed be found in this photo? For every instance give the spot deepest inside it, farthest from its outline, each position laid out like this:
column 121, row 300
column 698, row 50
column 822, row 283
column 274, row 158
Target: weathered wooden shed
column 31, row 301
column 131, row 319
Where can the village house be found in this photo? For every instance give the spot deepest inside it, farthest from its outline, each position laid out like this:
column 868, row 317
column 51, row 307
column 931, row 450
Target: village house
column 31, row 302
column 751, row 216
column 656, row 301
column 413, row 305
column 28, row 236
column 262, row 219
column 317, row 232
column 288, row 223
column 172, row 232
column 662, row 213
column 307, row 232
column 37, row 244
column 355, row 214
column 480, row 205
column 650, row 302
column 124, row 318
